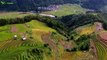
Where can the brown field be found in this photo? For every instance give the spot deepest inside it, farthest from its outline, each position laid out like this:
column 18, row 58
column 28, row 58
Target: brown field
column 103, row 37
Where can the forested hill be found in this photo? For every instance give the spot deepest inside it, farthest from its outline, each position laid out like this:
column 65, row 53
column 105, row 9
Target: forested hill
column 28, row 5
column 25, row 5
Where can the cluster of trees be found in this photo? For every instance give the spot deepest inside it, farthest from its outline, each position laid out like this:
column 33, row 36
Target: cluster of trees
column 82, row 44
column 74, row 21
column 13, row 21
column 36, row 53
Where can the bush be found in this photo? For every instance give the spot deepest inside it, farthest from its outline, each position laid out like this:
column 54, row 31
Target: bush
column 3, row 22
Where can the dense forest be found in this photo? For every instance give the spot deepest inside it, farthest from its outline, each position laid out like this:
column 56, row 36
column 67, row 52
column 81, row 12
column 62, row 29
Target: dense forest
column 28, row 5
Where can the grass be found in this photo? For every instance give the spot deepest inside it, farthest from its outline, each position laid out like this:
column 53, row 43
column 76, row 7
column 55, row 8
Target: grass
column 67, row 9
column 21, row 27
column 36, row 25
column 86, row 30
column 83, row 30
column 6, row 15
column 5, row 33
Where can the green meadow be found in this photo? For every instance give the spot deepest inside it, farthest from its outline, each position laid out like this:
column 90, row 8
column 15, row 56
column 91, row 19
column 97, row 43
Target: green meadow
column 67, row 9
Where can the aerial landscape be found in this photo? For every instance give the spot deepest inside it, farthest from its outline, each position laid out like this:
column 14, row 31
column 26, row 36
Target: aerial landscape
column 53, row 29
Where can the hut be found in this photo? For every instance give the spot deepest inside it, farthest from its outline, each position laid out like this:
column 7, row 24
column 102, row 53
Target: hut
column 15, row 37
column 24, row 38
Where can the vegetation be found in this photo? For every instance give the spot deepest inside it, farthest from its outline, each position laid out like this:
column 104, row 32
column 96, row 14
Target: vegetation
column 69, row 8
column 29, row 5
column 47, row 38
column 74, row 21
column 86, row 30
column 101, row 50
column 31, row 48
column 103, row 17
column 49, row 21
column 9, row 15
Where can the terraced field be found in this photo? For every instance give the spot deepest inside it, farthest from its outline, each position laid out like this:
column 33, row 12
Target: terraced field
column 11, row 49
column 43, row 42
column 101, row 50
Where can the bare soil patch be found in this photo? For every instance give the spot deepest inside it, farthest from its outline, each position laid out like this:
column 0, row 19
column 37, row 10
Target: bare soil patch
column 14, row 28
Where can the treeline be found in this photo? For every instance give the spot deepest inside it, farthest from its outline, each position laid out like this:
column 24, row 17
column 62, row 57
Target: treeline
column 47, row 20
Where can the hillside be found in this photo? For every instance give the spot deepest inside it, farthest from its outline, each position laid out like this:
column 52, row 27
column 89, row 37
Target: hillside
column 32, row 5
column 16, row 49
column 53, row 29
column 69, row 8
column 34, row 37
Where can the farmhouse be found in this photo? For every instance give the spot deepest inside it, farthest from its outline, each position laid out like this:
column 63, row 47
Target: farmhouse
column 15, row 37
column 24, row 38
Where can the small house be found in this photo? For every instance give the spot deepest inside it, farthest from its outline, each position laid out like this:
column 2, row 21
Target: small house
column 24, row 38
column 15, row 37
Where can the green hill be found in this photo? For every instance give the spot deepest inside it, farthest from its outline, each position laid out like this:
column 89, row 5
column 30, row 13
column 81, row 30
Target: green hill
column 67, row 9
column 35, row 37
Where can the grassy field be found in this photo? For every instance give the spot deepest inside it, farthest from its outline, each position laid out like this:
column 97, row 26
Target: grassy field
column 5, row 33
column 67, row 9
column 85, row 30
column 12, row 14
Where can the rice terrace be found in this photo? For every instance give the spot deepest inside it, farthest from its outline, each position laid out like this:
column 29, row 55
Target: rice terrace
column 53, row 30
